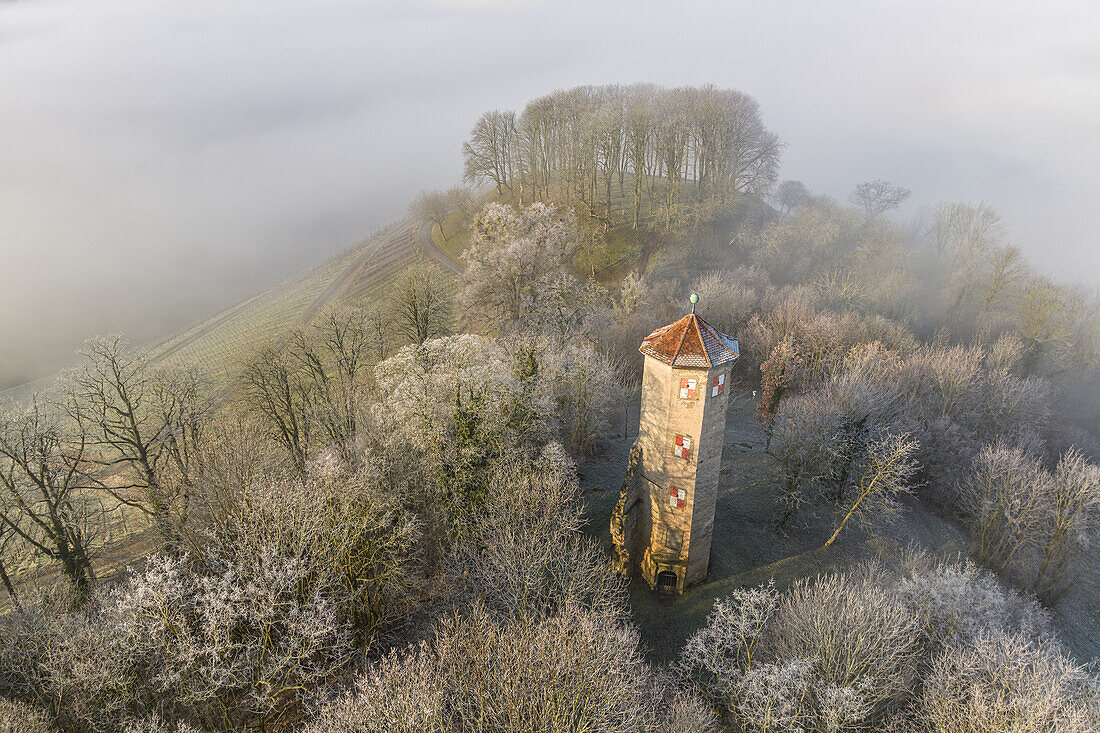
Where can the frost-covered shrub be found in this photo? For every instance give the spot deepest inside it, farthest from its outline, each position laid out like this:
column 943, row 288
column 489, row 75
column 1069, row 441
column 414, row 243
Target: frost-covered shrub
column 961, row 603
column 853, row 629
column 574, row 670
column 728, row 297
column 1007, row 682
column 831, row 653
column 527, row 554
column 18, row 717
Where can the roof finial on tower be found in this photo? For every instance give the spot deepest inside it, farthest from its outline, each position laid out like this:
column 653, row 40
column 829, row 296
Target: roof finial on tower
column 694, row 299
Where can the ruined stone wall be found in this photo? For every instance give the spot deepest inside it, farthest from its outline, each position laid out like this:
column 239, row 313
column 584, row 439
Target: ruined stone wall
column 626, row 535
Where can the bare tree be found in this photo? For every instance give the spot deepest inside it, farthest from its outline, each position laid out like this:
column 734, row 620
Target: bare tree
column 791, row 195
column 1045, row 315
column 1007, row 270
column 378, row 324
column 886, row 469
column 274, row 389
column 689, row 151
column 463, row 203
column 963, row 233
column 48, row 498
column 877, row 197
column 422, row 304
column 334, row 354
column 961, row 604
column 490, row 152
column 140, row 425
column 431, row 206
column 586, row 389
column 8, row 551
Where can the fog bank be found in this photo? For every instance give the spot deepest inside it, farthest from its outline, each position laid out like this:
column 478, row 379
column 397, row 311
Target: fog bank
column 159, row 161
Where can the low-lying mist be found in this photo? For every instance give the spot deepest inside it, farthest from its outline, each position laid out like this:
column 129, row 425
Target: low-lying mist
column 159, row 162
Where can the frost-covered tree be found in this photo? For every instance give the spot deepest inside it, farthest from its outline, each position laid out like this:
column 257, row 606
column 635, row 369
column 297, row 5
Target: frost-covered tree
column 573, row 670
column 1007, row 682
column 527, row 554
column 510, row 257
column 448, row 410
column 586, row 389
column 1030, row 522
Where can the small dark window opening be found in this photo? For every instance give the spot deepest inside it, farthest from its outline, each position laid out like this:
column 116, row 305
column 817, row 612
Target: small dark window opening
column 666, row 581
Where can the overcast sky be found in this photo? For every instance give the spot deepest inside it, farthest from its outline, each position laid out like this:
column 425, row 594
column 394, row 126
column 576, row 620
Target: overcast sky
column 161, row 160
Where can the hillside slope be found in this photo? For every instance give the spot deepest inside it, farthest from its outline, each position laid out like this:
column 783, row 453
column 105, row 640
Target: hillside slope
column 359, row 275
column 221, row 342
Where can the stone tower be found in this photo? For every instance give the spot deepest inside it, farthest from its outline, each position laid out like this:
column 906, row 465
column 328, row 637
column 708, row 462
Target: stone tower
column 665, row 517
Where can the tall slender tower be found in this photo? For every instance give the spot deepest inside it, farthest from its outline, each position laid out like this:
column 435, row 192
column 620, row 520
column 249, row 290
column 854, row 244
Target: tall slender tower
column 674, row 484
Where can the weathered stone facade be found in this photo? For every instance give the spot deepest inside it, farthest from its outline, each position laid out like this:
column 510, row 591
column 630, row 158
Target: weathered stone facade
column 665, row 516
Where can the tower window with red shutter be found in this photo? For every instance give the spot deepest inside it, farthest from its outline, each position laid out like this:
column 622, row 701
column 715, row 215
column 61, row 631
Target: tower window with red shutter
column 677, row 498
column 688, row 388
column 682, row 446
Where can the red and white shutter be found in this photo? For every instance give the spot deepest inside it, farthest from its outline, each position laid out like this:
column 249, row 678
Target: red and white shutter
column 677, row 498
column 688, row 388
column 682, row 447
column 718, row 386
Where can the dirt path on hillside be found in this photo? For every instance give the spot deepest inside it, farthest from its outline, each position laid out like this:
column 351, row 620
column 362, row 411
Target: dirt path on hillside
column 424, row 237
column 337, row 285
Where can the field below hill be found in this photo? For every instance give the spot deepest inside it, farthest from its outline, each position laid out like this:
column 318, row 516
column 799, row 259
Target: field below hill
column 747, row 550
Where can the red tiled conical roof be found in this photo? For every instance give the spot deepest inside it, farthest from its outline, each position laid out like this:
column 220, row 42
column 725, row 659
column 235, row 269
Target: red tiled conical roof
column 690, row 342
